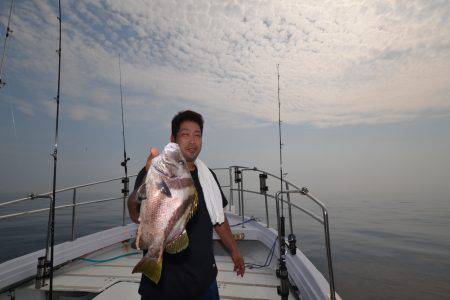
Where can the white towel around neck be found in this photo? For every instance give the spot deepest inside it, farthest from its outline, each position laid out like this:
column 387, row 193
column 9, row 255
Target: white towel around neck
column 211, row 193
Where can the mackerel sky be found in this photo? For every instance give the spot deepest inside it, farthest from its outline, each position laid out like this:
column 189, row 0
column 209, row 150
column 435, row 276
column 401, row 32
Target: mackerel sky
column 365, row 89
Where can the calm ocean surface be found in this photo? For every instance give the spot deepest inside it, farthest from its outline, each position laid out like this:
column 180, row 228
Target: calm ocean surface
column 395, row 247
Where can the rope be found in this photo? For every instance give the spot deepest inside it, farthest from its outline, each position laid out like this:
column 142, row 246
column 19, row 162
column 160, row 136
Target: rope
column 268, row 259
column 241, row 223
column 108, row 259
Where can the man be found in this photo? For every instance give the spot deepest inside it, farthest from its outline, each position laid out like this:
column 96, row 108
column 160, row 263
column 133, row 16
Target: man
column 192, row 273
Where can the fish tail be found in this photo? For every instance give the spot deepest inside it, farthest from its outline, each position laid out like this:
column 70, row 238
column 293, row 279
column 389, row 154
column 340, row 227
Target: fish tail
column 150, row 268
column 178, row 244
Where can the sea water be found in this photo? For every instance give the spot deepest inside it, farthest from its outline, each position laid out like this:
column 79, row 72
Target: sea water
column 384, row 246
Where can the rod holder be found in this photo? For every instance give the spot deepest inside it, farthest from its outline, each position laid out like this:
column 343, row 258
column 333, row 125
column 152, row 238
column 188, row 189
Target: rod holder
column 283, row 288
column 237, row 175
column 126, row 186
column 262, row 183
column 43, row 271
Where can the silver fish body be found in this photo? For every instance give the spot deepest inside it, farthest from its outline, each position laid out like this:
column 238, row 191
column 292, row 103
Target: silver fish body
column 171, row 202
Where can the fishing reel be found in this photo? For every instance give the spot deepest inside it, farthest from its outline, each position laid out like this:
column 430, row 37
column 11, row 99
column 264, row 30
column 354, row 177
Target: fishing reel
column 124, row 163
column 292, row 244
column 126, row 187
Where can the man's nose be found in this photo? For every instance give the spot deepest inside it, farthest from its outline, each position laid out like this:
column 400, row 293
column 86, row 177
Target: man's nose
column 192, row 139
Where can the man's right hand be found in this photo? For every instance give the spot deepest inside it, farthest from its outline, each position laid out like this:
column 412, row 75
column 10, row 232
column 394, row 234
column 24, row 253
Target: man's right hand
column 153, row 153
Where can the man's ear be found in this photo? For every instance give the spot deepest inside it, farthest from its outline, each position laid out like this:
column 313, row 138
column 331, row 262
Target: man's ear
column 172, row 139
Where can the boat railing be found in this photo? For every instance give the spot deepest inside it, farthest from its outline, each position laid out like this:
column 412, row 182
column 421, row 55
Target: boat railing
column 73, row 205
column 236, row 177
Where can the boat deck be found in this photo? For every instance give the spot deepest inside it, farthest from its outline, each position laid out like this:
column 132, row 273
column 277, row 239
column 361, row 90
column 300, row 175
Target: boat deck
column 113, row 279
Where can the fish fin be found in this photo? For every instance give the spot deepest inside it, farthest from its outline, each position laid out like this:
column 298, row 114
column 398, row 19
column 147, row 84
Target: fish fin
column 150, row 268
column 138, row 237
column 178, row 244
column 194, row 206
column 162, row 186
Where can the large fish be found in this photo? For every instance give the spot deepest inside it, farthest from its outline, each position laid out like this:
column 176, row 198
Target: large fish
column 171, row 202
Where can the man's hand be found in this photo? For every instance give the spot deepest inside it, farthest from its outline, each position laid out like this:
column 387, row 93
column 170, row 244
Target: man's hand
column 153, row 153
column 224, row 232
column 238, row 260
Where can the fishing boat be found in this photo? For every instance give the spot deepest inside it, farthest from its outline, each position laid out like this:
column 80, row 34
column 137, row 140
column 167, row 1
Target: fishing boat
column 98, row 265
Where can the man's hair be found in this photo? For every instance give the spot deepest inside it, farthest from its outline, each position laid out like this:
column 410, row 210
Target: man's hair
column 187, row 115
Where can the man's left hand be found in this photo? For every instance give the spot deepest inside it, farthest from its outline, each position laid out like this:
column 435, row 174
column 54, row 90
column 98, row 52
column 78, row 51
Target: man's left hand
column 239, row 266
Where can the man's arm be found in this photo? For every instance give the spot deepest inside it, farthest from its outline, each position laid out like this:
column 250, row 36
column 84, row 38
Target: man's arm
column 133, row 203
column 133, row 207
column 224, row 232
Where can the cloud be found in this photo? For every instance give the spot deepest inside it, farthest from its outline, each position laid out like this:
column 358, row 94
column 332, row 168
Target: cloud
column 341, row 63
column 25, row 107
column 83, row 113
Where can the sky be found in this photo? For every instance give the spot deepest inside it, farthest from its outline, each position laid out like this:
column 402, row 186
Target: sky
column 364, row 89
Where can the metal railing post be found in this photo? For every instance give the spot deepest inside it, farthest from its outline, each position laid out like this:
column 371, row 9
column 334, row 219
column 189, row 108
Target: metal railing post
column 74, row 203
column 239, row 198
column 292, row 240
column 231, row 190
column 242, row 197
column 267, row 210
column 277, row 210
column 263, row 188
column 329, row 259
column 288, row 195
column 237, row 179
column 123, row 210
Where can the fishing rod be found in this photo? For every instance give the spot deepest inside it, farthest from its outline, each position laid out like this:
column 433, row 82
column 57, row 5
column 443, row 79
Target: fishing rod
column 3, row 62
column 281, row 272
column 280, row 138
column 55, row 160
column 125, row 180
column 5, row 44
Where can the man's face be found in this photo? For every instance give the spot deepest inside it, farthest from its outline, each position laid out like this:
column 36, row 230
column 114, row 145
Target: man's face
column 189, row 138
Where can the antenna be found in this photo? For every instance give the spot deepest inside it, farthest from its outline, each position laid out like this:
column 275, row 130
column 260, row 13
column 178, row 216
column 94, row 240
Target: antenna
column 55, row 160
column 125, row 180
column 5, row 44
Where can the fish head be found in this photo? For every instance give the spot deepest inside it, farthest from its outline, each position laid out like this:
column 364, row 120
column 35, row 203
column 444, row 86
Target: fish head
column 171, row 162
